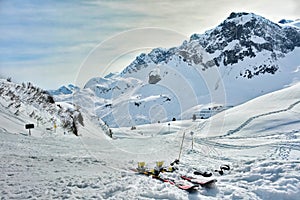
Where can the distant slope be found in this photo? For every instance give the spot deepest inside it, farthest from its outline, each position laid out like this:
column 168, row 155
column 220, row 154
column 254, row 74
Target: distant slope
column 268, row 113
column 64, row 90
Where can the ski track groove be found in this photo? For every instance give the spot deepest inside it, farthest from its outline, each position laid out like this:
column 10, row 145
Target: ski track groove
column 231, row 132
column 294, row 146
column 221, row 145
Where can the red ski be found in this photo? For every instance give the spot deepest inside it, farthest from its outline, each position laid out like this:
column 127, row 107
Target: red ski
column 188, row 188
column 206, row 184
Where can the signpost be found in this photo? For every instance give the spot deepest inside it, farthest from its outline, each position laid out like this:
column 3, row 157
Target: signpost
column 192, row 134
column 29, row 126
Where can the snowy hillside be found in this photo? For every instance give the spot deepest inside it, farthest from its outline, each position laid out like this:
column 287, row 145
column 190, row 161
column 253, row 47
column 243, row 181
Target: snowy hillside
column 25, row 101
column 280, row 108
column 244, row 57
column 259, row 140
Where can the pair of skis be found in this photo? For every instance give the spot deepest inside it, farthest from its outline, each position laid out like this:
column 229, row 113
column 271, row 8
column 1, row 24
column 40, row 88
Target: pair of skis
column 196, row 184
column 189, row 188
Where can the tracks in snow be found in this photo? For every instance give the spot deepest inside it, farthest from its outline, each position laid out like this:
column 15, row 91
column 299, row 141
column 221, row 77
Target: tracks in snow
column 282, row 147
column 248, row 121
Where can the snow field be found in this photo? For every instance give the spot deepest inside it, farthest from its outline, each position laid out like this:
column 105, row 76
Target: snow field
column 264, row 156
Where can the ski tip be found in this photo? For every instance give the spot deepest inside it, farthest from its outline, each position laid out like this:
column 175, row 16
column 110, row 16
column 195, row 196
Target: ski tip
column 193, row 189
column 189, row 188
column 209, row 184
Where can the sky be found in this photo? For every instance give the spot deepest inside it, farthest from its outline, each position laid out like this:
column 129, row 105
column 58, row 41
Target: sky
column 50, row 42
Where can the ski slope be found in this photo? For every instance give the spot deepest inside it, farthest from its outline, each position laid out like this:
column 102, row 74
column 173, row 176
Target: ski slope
column 258, row 139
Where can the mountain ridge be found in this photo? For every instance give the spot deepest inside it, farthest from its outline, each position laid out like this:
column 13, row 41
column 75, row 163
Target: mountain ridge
column 238, row 26
column 245, row 56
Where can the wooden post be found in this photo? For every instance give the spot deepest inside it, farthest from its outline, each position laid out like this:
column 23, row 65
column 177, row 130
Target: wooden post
column 54, row 126
column 192, row 134
column 181, row 145
column 193, row 142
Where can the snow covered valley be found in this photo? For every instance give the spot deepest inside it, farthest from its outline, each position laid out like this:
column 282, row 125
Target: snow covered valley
column 259, row 140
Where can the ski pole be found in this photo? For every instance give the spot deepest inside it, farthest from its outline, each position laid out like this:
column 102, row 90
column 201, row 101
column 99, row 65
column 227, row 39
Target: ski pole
column 181, row 146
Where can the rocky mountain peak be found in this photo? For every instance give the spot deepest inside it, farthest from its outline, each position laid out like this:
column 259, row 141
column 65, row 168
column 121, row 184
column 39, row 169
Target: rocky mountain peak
column 245, row 35
column 242, row 35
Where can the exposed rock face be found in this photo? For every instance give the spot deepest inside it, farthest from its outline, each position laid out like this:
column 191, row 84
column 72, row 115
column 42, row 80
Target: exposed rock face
column 153, row 79
column 244, row 35
column 240, row 36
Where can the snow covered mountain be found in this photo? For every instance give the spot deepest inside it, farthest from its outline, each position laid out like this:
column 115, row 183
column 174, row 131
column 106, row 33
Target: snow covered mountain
column 289, row 22
column 244, row 57
column 64, row 90
column 240, row 36
column 31, row 104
